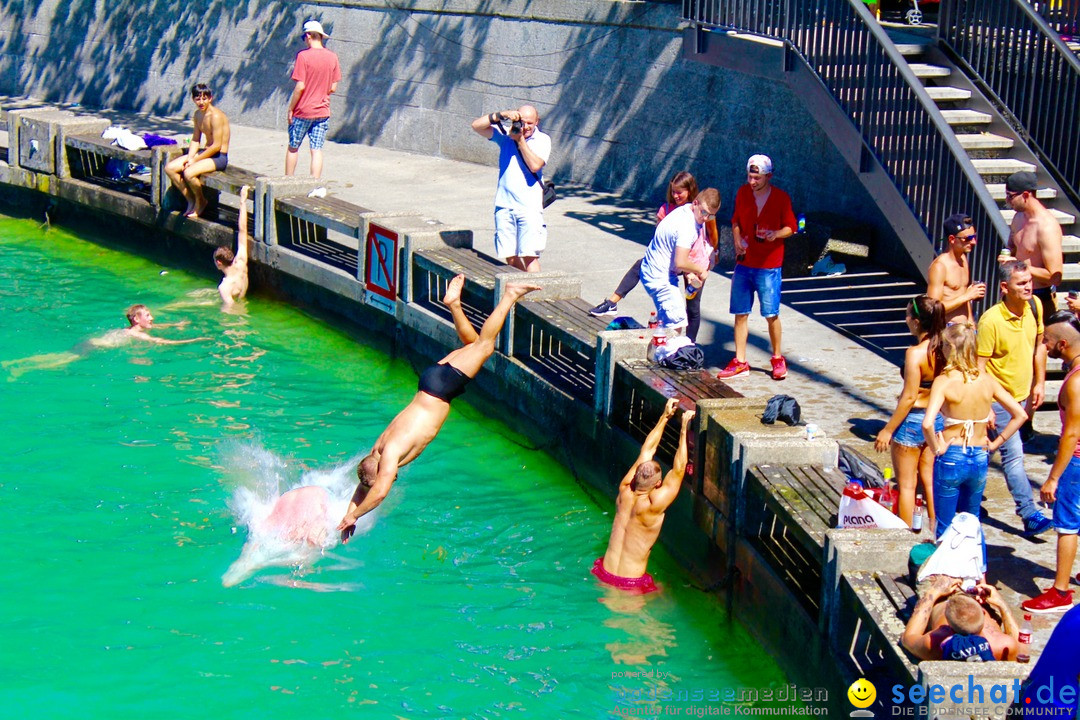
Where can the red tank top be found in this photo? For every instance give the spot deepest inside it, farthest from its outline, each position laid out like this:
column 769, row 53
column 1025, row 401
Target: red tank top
column 1061, row 408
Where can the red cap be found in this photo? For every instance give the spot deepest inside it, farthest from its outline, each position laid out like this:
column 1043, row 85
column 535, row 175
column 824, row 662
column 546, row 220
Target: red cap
column 854, row 491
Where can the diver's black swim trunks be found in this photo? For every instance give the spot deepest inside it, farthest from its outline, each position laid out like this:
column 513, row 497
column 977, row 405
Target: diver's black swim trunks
column 443, row 381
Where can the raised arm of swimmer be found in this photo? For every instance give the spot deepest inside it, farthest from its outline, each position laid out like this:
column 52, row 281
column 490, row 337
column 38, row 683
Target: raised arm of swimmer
column 663, row 496
column 652, row 440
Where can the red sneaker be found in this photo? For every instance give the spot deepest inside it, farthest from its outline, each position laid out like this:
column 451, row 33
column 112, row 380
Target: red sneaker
column 734, row 368
column 779, row 368
column 1052, row 600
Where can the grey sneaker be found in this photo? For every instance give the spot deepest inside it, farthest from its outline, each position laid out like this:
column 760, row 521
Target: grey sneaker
column 605, row 308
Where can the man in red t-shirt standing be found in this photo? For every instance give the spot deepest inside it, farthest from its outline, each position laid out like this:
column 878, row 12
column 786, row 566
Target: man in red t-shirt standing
column 317, row 74
column 762, row 220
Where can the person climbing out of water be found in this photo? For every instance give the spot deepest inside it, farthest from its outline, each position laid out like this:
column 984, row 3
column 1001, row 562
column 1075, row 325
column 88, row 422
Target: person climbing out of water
column 234, row 285
column 417, row 425
column 645, row 494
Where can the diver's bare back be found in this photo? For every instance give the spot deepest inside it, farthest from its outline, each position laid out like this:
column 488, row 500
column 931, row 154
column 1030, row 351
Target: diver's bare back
column 413, row 428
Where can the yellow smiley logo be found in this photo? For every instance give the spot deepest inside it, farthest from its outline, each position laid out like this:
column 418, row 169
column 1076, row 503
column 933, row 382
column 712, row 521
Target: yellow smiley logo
column 862, row 693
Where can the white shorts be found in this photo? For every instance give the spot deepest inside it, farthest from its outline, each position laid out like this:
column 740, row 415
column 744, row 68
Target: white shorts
column 519, row 233
column 670, row 301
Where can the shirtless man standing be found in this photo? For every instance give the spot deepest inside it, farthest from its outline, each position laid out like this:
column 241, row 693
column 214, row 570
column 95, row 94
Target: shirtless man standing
column 950, row 275
column 417, row 425
column 184, row 171
column 1035, row 236
column 234, row 285
column 639, row 510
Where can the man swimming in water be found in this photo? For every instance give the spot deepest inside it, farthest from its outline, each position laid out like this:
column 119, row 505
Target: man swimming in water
column 644, row 496
column 418, row 424
column 234, row 285
column 139, row 322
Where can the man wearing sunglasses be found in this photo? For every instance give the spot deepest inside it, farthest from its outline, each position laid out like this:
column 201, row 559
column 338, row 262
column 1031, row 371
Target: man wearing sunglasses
column 1035, row 236
column 950, row 274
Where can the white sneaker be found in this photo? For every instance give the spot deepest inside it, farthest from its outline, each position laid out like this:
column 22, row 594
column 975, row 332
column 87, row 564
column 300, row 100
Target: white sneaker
column 319, row 192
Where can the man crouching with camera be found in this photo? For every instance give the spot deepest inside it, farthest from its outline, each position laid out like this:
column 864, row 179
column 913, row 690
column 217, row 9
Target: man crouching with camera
column 520, row 232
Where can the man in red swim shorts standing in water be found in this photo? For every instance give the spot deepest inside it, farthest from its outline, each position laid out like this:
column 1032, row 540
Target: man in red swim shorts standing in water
column 644, row 496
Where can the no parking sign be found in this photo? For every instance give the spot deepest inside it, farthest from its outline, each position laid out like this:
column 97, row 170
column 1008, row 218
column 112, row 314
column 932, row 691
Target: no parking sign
column 380, row 268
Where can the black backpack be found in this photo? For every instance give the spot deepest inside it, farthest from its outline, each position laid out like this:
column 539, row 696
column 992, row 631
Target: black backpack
column 857, row 466
column 689, row 357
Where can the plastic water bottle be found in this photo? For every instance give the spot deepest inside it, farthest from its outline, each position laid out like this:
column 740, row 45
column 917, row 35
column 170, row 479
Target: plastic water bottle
column 1024, row 653
column 653, row 322
column 802, row 223
column 917, row 518
column 659, row 339
column 691, row 290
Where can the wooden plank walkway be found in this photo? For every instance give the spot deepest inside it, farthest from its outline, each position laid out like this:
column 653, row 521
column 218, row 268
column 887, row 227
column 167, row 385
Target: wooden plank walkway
column 329, row 212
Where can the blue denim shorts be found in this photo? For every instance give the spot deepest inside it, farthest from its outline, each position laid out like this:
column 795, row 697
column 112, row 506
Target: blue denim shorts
column 315, row 130
column 1067, row 501
column 764, row 281
column 910, row 433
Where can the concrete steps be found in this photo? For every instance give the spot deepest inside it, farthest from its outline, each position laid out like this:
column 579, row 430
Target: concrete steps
column 945, row 93
column 966, row 117
column 1063, row 218
column 926, row 70
column 997, row 191
column 1001, row 166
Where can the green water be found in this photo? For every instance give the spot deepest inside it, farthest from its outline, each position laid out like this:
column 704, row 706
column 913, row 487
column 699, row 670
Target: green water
column 469, row 597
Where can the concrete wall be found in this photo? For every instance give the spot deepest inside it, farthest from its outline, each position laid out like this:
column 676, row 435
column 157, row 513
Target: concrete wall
column 625, row 111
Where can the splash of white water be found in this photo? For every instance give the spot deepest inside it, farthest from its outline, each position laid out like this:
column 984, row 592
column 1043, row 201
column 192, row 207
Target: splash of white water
column 291, row 521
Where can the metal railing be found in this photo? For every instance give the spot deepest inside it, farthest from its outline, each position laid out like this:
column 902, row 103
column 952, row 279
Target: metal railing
column 1022, row 64
column 871, row 81
column 1061, row 15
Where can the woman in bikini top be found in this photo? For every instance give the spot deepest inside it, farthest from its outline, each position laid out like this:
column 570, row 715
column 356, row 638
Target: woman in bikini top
column 963, row 396
column 902, row 433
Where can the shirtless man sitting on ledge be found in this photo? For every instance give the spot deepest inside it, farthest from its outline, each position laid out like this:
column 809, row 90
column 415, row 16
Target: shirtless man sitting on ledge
column 417, row 425
column 644, row 496
column 210, row 124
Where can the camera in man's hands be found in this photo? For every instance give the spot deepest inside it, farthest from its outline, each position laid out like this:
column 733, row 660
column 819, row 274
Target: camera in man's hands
column 515, row 127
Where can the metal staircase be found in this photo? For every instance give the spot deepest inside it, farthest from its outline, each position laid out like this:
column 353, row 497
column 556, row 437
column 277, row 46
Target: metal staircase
column 994, row 146
column 930, row 126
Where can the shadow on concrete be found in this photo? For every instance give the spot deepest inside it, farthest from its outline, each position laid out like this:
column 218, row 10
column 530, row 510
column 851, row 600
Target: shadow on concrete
column 147, row 38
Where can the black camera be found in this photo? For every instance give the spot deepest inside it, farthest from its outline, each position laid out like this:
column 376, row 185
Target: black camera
column 515, row 127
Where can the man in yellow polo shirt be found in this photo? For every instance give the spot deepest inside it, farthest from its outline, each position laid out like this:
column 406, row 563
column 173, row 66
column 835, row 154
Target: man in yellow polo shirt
column 1010, row 347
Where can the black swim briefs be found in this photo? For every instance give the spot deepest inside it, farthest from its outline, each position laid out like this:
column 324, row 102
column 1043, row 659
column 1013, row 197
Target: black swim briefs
column 443, row 381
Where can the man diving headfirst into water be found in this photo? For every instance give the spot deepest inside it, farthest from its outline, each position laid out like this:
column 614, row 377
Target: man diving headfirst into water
column 417, row 425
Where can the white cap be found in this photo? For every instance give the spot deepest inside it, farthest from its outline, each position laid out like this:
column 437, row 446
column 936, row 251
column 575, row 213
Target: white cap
column 761, row 162
column 314, row 26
